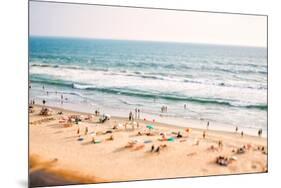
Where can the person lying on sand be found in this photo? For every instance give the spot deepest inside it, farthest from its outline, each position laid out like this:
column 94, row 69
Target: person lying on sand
column 225, row 161
column 110, row 138
column 241, row 150
column 222, row 160
column 179, row 135
column 107, row 132
column 150, row 134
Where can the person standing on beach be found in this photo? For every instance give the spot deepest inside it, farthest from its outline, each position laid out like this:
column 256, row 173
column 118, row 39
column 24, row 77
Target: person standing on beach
column 208, row 125
column 138, row 113
column 130, row 116
column 204, row 134
column 236, row 129
column 260, row 132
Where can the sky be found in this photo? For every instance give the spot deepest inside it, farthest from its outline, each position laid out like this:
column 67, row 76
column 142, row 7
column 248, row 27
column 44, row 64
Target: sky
column 91, row 21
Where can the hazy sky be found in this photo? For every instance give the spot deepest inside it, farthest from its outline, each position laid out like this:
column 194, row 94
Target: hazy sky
column 89, row 21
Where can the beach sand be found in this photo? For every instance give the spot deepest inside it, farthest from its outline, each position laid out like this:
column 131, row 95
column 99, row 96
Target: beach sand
column 58, row 156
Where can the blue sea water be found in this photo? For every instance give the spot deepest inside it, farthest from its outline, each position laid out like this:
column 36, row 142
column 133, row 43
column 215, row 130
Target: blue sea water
column 220, row 84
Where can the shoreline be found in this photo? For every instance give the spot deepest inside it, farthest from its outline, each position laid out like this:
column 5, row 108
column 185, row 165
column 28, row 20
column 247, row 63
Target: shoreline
column 82, row 161
column 194, row 124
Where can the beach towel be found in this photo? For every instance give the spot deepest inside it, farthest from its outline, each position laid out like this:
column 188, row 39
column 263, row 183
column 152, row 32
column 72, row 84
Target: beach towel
column 147, row 141
column 162, row 139
column 171, row 139
column 150, row 126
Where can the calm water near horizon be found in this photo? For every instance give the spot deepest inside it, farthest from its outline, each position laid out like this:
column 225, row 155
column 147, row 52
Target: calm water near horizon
column 220, row 84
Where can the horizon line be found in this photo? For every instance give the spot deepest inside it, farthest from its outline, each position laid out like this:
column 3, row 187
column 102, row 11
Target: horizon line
column 141, row 40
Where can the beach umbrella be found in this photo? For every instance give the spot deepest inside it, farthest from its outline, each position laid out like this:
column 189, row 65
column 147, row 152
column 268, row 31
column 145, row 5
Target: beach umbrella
column 107, row 116
column 150, row 126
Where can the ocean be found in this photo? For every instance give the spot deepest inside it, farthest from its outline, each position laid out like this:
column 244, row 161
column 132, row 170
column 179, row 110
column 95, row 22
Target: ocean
column 220, row 84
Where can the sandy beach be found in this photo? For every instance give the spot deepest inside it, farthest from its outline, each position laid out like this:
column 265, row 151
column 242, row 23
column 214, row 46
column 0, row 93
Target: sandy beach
column 57, row 148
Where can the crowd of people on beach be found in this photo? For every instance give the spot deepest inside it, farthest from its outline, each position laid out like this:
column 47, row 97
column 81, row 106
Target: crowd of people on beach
column 135, row 116
column 137, row 111
column 44, row 101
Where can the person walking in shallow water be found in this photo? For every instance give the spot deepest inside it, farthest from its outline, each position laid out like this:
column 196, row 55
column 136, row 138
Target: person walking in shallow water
column 208, row 125
column 61, row 99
